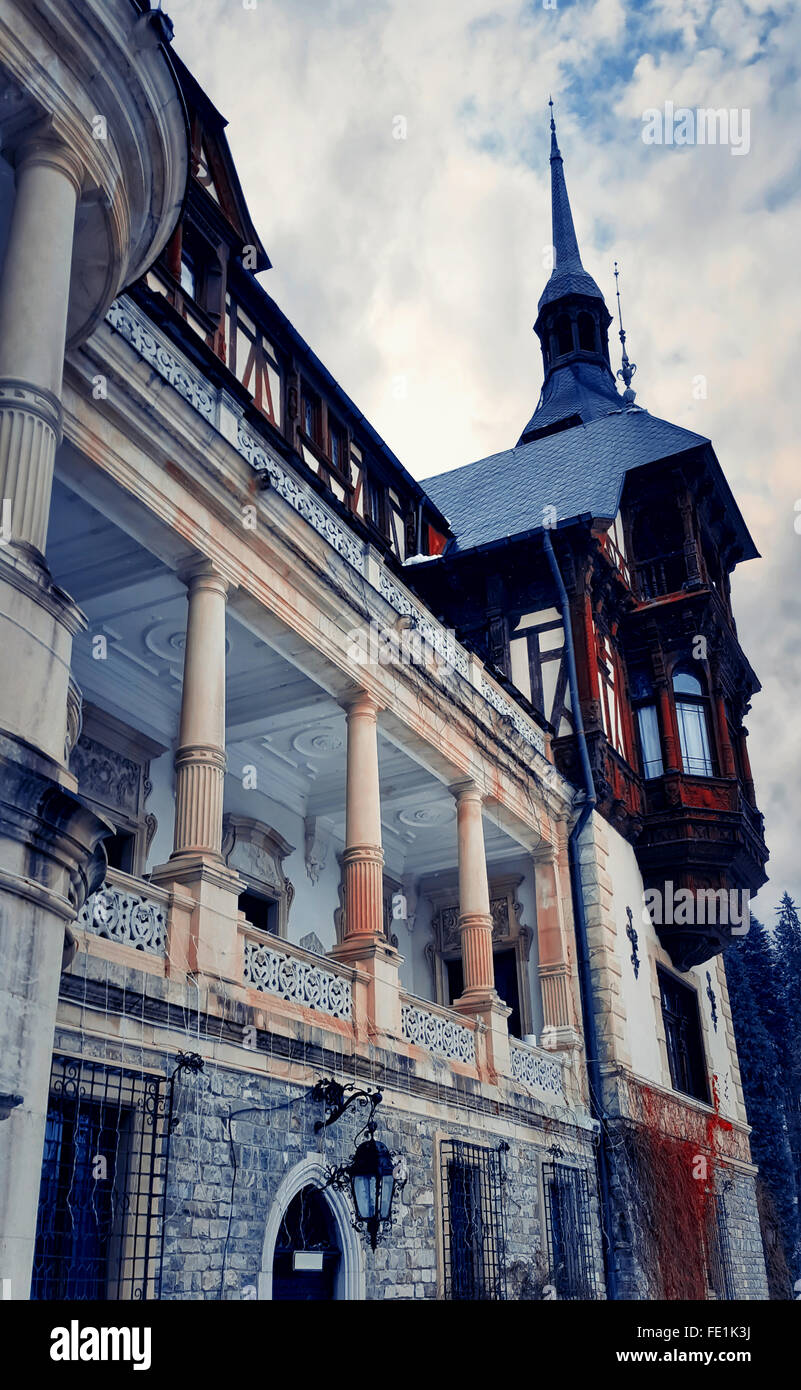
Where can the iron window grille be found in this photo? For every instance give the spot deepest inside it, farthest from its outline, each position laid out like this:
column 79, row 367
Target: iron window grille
column 568, row 1226
column 103, row 1170
column 473, row 1222
column 720, row 1270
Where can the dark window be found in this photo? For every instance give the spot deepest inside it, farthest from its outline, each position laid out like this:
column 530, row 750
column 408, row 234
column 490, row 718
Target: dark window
column 120, row 851
column 569, row 1231
column 564, row 335
column 338, row 448
column 474, row 1237
column 586, row 332
column 685, row 1047
column 505, row 967
column 311, row 416
column 261, row 911
column 692, row 719
column 374, row 503
column 99, row 1220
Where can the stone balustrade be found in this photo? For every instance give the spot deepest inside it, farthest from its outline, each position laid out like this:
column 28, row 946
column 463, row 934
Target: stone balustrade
column 129, row 911
column 537, row 1070
column 277, row 967
column 437, row 1030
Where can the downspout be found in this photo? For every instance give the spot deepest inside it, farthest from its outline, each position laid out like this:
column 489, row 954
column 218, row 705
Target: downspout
column 582, row 946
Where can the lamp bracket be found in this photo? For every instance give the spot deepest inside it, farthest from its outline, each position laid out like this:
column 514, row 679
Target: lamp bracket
column 338, row 1098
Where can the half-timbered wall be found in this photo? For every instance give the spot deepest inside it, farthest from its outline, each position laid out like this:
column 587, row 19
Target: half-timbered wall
column 538, row 667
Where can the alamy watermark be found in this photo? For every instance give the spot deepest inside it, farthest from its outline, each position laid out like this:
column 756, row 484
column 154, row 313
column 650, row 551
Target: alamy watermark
column 700, row 125
column 405, row 644
column 687, row 907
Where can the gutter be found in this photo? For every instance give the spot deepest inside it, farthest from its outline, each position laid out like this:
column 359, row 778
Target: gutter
column 582, row 945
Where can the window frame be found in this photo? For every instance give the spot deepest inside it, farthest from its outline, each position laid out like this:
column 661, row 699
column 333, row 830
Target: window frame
column 686, row 1063
column 691, row 707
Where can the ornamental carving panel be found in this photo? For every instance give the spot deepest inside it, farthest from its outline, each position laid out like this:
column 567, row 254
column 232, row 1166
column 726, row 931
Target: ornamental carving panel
column 108, row 776
column 438, row 1034
column 299, row 982
column 130, row 918
column 535, row 1070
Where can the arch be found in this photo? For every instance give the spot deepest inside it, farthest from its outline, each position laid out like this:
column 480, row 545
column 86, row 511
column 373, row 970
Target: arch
column 312, row 1172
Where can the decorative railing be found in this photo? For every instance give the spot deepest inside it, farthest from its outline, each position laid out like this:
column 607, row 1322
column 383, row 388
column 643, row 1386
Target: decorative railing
column 438, row 1031
column 664, row 575
column 288, row 974
column 128, row 911
column 535, row 1068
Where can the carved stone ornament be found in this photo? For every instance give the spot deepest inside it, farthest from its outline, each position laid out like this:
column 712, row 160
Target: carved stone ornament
column 315, row 848
column 111, row 761
column 257, row 852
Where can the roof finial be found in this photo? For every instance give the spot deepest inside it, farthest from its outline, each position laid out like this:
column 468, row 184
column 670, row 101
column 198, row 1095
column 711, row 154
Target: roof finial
column 554, row 147
column 628, row 369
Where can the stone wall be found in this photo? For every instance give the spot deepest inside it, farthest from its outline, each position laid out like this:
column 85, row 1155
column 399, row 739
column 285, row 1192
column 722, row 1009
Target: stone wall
column 222, row 1200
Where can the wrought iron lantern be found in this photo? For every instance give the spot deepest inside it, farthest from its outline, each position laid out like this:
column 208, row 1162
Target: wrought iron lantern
column 374, row 1176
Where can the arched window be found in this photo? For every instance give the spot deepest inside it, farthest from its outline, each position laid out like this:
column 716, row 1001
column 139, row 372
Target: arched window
column 586, row 332
column 693, row 722
column 564, row 335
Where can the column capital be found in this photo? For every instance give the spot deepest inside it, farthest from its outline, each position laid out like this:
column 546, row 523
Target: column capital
column 43, row 146
column 201, row 573
column 361, row 702
column 466, row 790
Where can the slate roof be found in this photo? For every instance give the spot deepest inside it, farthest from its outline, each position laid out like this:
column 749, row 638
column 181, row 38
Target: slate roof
column 578, row 388
column 580, row 471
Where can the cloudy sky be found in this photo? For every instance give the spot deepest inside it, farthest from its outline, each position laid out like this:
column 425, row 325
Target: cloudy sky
column 413, row 266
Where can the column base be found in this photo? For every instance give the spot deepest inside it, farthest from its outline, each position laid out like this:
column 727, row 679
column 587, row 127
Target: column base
column 380, row 962
column 203, row 935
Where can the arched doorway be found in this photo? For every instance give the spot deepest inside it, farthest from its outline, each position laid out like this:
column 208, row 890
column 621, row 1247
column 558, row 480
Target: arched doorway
column 307, row 1254
column 308, row 1217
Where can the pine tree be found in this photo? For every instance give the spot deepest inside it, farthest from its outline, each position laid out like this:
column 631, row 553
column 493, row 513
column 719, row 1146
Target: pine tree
column 751, row 971
column 788, row 961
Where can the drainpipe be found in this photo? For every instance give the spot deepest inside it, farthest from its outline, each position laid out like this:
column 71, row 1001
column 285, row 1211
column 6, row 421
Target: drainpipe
column 582, row 947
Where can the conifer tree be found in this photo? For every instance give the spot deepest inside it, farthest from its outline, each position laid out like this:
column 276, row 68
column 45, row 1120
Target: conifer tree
column 788, row 962
column 756, row 1001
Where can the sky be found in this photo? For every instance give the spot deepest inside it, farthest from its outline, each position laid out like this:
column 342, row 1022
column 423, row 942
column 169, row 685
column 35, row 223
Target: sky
column 394, row 156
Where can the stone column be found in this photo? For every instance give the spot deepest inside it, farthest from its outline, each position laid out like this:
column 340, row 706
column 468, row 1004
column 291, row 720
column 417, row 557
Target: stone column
column 364, row 943
column 475, row 919
column 479, row 996
column 51, row 855
column 200, row 757
column 203, row 936
column 363, row 859
column 51, row 859
column 558, row 1016
column 34, row 294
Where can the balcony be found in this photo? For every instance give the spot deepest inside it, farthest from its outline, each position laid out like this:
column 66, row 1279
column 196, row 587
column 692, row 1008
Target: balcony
column 666, row 574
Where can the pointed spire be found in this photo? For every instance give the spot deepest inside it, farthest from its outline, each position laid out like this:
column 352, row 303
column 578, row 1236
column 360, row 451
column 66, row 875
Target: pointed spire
column 565, row 244
column 568, row 274
column 628, row 369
